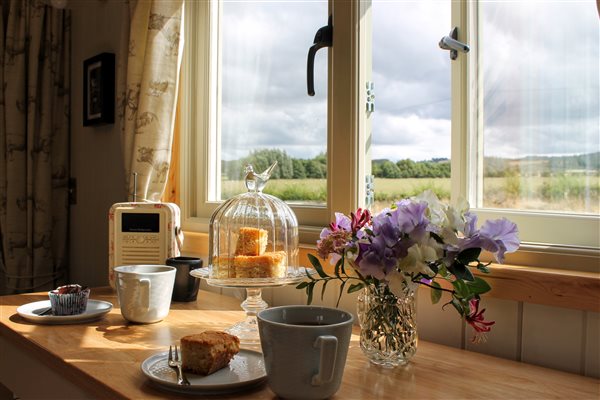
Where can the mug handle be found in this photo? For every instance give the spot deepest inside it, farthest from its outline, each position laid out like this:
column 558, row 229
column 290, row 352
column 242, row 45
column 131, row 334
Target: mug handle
column 328, row 345
column 145, row 289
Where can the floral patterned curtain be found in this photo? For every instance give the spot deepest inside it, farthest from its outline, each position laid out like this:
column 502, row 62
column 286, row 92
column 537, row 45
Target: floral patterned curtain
column 148, row 95
column 34, row 145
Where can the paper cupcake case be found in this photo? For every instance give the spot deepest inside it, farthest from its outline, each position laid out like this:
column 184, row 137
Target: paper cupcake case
column 69, row 303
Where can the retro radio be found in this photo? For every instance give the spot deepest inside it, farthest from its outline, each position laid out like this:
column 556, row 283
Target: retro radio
column 142, row 233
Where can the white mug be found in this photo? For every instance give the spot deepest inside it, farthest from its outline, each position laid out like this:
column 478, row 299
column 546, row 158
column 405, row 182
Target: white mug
column 144, row 291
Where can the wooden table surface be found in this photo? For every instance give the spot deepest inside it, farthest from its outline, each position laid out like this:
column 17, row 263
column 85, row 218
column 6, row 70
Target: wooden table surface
column 103, row 359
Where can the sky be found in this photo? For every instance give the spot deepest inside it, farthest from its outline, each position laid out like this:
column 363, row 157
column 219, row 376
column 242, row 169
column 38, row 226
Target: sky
column 540, row 74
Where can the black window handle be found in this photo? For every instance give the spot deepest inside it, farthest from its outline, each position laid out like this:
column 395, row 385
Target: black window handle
column 323, row 38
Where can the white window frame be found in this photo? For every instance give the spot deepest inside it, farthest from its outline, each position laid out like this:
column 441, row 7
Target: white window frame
column 200, row 118
column 349, row 130
column 562, row 232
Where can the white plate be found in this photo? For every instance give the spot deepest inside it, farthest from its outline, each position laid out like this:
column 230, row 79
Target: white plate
column 31, row 312
column 294, row 275
column 246, row 369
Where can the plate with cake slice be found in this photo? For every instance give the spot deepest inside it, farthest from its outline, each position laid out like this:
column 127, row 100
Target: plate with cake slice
column 243, row 370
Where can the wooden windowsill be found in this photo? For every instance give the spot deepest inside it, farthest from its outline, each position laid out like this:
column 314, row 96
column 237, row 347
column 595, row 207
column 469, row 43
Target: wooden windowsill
column 568, row 288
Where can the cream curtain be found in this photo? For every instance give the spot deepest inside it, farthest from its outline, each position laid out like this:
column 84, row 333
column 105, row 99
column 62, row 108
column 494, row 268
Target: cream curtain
column 34, row 145
column 148, row 95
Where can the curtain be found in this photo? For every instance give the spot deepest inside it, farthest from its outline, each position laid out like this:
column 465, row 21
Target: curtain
column 148, row 95
column 34, row 145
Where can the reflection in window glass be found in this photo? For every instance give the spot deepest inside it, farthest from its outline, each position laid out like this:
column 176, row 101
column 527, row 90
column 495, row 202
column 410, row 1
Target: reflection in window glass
column 266, row 114
column 411, row 124
column 540, row 63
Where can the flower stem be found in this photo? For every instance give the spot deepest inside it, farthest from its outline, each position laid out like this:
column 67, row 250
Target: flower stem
column 436, row 288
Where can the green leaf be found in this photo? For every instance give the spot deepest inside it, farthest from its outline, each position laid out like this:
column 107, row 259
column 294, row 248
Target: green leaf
column 437, row 238
column 458, row 306
column 436, row 294
column 323, row 289
column 309, row 292
column 302, row 285
column 461, row 271
column 483, row 268
column 355, row 287
column 443, row 271
column 337, row 303
column 434, row 268
column 338, row 266
column 317, row 266
column 478, row 286
column 461, row 289
column 469, row 255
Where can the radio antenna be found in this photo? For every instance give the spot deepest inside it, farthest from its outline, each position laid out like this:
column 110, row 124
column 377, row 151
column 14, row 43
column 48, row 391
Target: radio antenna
column 135, row 187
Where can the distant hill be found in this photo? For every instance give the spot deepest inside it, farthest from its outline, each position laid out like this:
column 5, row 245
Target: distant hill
column 543, row 165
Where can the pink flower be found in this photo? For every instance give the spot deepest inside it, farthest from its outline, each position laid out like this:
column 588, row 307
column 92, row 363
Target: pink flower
column 476, row 320
column 335, row 242
column 360, row 219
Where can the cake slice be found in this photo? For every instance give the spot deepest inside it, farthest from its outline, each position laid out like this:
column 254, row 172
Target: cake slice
column 251, row 242
column 268, row 265
column 207, row 352
column 222, row 267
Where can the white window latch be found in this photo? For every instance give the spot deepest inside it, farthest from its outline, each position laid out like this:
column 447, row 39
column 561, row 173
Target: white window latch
column 450, row 43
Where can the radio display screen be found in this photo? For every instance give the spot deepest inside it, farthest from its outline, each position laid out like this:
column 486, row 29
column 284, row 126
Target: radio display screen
column 140, row 222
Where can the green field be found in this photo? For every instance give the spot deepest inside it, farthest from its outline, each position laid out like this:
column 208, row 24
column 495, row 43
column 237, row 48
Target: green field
column 563, row 193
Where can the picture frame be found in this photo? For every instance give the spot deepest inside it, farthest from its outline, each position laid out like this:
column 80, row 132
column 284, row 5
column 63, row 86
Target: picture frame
column 99, row 90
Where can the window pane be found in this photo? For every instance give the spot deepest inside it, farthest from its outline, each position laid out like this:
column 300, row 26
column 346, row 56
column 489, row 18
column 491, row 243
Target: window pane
column 266, row 114
column 411, row 125
column 540, row 105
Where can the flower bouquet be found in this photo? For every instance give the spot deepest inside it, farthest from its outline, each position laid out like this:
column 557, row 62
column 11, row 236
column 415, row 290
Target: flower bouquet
column 418, row 241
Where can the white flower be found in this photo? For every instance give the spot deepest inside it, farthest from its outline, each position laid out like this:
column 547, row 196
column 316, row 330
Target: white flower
column 419, row 256
column 456, row 215
column 397, row 282
column 437, row 215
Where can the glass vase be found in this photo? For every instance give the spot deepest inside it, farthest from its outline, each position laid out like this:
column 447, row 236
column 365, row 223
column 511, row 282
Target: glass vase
column 388, row 324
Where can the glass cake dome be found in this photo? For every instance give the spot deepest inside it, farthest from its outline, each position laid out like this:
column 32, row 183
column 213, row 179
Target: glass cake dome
column 253, row 236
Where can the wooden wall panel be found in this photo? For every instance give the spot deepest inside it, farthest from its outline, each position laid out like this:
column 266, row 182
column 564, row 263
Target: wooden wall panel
column 437, row 325
column 504, row 338
column 552, row 337
column 592, row 345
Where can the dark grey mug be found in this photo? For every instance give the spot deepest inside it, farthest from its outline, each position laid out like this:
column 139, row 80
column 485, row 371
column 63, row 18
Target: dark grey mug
column 186, row 286
column 305, row 349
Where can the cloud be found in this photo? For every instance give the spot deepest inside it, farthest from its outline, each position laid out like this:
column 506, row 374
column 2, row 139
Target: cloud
column 540, row 76
column 412, row 137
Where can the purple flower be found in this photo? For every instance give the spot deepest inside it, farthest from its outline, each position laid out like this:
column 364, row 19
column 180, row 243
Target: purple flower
column 499, row 236
column 341, row 222
column 470, row 224
column 377, row 259
column 387, row 232
column 411, row 219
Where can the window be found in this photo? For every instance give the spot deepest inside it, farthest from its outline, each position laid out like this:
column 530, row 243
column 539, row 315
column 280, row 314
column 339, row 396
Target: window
column 245, row 96
column 535, row 118
column 411, row 125
column 244, row 67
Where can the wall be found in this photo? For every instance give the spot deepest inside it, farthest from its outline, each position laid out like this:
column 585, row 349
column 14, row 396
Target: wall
column 554, row 337
column 96, row 160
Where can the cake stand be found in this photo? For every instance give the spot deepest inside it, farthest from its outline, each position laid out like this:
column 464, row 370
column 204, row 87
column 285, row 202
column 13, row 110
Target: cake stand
column 247, row 330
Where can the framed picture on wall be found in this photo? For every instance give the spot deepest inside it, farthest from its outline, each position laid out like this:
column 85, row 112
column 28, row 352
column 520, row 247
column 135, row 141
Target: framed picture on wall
column 99, row 90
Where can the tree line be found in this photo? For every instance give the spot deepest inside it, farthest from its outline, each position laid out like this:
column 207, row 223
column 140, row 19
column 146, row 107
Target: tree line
column 316, row 168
